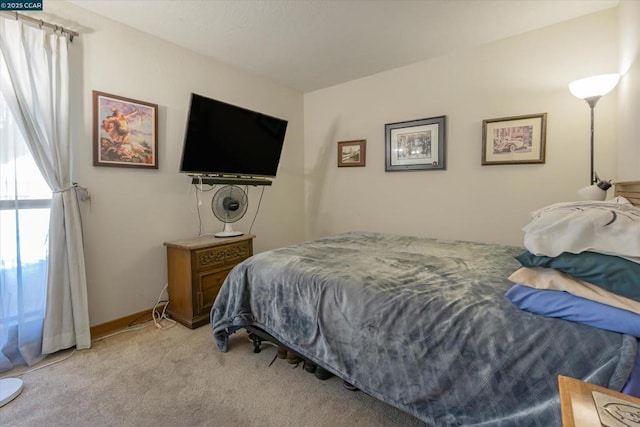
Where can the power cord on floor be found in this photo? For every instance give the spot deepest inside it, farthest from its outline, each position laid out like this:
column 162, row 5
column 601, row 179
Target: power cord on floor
column 158, row 316
column 35, row 368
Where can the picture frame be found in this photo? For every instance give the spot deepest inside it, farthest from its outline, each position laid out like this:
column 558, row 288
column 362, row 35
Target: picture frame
column 352, row 153
column 514, row 140
column 125, row 132
column 416, row 145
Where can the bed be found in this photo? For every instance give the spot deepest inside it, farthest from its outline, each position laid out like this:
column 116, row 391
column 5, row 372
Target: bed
column 424, row 325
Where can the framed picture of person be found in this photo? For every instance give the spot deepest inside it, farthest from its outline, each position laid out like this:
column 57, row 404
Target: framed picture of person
column 125, row 132
column 415, row 145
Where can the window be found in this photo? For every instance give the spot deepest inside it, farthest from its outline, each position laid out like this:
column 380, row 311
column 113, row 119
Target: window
column 25, row 200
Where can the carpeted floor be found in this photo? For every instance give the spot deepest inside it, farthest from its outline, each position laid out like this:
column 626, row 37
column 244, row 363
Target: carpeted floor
column 177, row 377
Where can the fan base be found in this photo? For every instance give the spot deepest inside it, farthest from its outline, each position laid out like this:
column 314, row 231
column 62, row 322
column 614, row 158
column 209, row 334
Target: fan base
column 10, row 388
column 229, row 233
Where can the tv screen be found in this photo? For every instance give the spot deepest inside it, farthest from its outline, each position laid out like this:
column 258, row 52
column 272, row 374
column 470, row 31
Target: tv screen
column 224, row 139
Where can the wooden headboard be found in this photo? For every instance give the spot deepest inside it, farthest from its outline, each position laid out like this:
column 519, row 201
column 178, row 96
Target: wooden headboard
column 630, row 190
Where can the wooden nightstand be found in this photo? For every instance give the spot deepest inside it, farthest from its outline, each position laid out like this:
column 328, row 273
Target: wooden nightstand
column 196, row 269
column 578, row 406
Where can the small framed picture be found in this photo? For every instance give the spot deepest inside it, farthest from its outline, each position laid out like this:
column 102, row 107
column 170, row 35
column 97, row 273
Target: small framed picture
column 514, row 140
column 125, row 132
column 352, row 153
column 415, row 145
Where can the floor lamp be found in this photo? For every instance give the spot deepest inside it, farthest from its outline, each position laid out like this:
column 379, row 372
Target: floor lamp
column 591, row 89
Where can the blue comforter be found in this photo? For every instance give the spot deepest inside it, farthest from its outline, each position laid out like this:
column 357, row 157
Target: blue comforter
column 421, row 324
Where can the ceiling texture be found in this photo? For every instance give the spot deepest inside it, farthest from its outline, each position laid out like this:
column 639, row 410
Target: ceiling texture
column 308, row 45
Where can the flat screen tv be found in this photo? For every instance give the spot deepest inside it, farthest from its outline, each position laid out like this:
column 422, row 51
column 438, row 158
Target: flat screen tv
column 226, row 140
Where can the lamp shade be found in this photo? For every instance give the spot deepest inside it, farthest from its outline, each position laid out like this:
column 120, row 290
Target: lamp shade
column 592, row 192
column 596, row 192
column 594, row 86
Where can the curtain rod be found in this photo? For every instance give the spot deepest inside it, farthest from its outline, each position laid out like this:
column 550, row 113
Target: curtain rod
column 42, row 23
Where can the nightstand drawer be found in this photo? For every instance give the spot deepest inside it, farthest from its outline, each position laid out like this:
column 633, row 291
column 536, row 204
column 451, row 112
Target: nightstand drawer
column 210, row 284
column 219, row 256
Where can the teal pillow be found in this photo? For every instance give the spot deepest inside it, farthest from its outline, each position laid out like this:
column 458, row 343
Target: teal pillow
column 615, row 274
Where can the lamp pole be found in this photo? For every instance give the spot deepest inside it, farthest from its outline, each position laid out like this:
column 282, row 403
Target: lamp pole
column 592, row 101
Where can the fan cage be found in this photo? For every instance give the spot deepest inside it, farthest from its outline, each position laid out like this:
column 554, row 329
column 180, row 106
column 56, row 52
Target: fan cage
column 223, row 200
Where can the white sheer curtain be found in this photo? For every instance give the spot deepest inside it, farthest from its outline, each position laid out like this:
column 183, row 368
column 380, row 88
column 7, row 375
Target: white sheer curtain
column 35, row 84
column 24, row 223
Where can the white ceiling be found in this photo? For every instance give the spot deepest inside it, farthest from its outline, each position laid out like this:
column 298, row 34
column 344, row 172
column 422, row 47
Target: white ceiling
column 312, row 44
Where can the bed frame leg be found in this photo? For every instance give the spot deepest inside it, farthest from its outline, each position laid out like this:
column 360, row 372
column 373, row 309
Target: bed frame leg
column 257, row 342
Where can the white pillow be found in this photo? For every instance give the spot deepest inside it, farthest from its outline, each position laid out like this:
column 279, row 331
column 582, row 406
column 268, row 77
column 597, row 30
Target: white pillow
column 611, row 227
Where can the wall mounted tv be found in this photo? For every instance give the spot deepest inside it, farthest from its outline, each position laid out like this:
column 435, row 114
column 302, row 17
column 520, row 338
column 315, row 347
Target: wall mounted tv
column 224, row 140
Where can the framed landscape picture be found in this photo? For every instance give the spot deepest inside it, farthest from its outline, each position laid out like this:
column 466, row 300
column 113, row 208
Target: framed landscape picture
column 415, row 145
column 514, row 140
column 125, row 132
column 352, row 153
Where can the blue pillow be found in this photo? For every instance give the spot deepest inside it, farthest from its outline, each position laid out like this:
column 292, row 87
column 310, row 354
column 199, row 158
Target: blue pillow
column 615, row 274
column 564, row 305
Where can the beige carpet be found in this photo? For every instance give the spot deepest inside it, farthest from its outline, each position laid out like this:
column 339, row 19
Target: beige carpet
column 177, row 377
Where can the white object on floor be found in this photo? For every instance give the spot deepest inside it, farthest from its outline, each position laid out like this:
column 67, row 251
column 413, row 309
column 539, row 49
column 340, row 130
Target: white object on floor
column 10, row 388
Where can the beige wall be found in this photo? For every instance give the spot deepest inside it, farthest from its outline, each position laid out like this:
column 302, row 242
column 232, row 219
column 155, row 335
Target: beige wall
column 133, row 211
column 629, row 92
column 526, row 74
